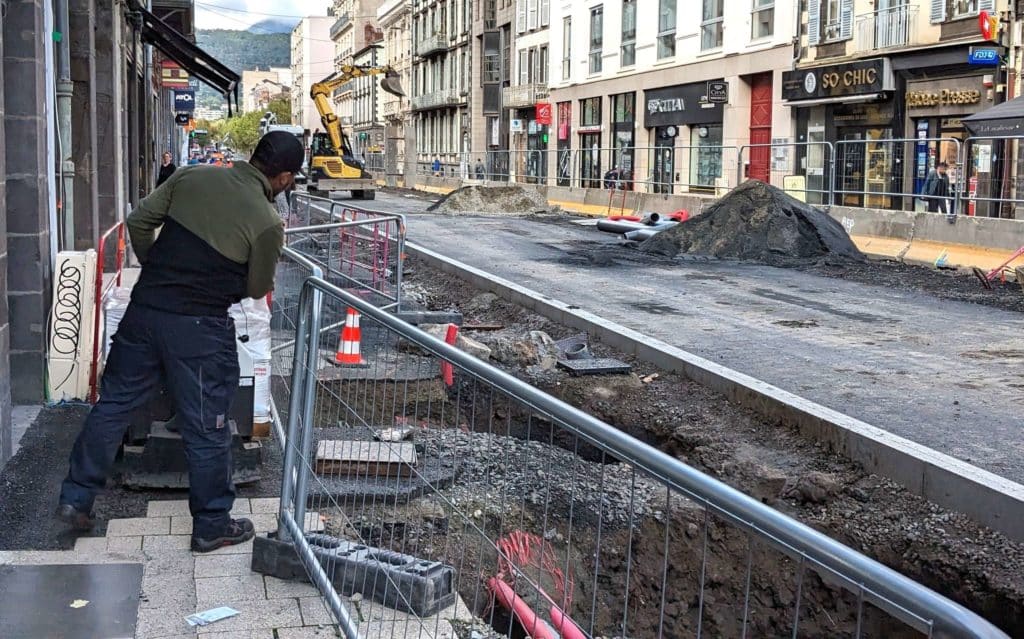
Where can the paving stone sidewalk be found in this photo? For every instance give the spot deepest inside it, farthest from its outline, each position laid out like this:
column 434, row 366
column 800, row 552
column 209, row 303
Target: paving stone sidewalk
column 178, row 582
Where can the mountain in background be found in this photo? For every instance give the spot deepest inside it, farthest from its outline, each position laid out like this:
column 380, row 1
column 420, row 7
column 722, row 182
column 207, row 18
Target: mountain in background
column 243, row 51
column 277, row 25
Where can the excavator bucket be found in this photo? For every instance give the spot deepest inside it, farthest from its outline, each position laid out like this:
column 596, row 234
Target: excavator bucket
column 392, row 83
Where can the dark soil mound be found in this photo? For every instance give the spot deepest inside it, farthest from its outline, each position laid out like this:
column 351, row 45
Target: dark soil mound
column 761, row 223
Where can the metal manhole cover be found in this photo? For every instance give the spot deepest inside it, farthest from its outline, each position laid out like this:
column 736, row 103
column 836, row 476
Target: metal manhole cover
column 597, row 366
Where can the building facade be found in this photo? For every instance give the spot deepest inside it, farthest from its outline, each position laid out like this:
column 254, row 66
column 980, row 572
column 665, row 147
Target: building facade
column 393, row 17
column 529, row 86
column 492, row 62
column 354, row 29
column 312, row 59
column 259, row 87
column 668, row 102
column 871, row 72
column 367, row 122
column 441, row 82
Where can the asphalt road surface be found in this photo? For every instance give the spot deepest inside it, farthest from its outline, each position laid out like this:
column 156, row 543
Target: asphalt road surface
column 941, row 373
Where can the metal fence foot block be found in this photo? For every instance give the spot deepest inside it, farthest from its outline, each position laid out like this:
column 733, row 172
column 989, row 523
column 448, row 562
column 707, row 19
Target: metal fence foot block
column 403, row 582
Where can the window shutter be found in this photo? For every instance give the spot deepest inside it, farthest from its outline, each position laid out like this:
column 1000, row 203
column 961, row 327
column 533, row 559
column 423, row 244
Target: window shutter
column 531, row 16
column 987, row 5
column 846, row 20
column 521, row 16
column 938, row 12
column 545, row 12
column 814, row 21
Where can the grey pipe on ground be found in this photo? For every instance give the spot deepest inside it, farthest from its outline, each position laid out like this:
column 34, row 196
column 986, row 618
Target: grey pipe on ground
column 646, row 233
column 621, row 226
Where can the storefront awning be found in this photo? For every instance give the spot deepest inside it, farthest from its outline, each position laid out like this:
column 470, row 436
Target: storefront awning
column 191, row 58
column 1001, row 120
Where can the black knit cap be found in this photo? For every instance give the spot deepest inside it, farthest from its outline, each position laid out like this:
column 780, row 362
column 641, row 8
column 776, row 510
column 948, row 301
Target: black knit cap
column 279, row 152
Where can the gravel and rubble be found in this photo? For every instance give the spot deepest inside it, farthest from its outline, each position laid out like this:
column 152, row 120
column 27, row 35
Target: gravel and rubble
column 475, row 199
column 771, row 461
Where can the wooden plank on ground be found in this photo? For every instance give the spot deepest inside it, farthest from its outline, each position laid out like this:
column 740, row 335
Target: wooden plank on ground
column 355, row 459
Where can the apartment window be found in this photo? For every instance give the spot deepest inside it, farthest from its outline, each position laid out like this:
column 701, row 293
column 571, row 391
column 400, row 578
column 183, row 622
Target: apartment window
column 542, row 62
column 964, row 8
column 545, row 12
column 762, row 19
column 666, row 29
column 596, row 38
column 711, row 25
column 566, row 48
column 628, row 49
column 524, row 66
column 531, row 14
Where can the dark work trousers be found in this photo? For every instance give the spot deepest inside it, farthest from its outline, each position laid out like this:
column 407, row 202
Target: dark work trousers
column 198, row 360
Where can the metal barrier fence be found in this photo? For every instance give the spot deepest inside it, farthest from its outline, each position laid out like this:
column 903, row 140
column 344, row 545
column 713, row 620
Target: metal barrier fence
column 102, row 293
column 358, row 248
column 433, row 483
column 984, row 172
column 891, row 173
column 802, row 169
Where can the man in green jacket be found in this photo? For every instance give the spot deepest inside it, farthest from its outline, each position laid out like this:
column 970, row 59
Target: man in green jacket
column 219, row 241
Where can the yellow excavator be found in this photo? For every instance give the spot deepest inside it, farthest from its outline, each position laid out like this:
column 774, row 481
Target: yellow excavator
column 332, row 165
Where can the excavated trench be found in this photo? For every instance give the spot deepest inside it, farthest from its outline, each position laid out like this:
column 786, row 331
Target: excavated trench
column 943, row 550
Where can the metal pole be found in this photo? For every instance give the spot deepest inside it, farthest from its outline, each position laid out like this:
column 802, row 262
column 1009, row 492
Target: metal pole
column 309, row 396
column 294, row 408
column 65, row 89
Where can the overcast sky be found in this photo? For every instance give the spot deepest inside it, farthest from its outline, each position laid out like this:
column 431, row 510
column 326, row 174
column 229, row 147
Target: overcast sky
column 242, row 14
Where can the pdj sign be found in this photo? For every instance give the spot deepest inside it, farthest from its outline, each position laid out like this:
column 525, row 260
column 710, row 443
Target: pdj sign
column 185, row 101
column 983, row 56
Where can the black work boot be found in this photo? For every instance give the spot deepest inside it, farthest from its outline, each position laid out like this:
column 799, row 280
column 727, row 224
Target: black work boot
column 238, row 531
column 74, row 517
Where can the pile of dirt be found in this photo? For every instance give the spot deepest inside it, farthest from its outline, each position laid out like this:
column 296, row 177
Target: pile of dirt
column 492, row 200
column 760, row 223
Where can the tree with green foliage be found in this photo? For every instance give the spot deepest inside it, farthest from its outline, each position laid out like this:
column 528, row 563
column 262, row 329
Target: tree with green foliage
column 281, row 107
column 243, row 132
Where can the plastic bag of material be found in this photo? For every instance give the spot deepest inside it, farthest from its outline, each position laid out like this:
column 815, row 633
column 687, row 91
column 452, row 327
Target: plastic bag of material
column 252, row 318
column 113, row 311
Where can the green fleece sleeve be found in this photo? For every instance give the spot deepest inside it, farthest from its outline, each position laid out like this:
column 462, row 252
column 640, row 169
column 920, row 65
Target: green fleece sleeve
column 263, row 257
column 149, row 216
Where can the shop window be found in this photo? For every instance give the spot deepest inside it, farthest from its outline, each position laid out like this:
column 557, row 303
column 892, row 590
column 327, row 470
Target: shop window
column 666, row 29
column 627, row 52
column 566, row 48
column 705, row 155
column 762, row 19
column 711, row 26
column 623, row 120
column 596, row 38
column 590, row 112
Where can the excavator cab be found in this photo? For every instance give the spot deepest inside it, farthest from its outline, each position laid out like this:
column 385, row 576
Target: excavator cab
column 333, row 165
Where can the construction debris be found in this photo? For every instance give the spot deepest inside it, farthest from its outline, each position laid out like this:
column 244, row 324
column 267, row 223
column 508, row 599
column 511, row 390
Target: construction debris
column 492, row 200
column 760, row 223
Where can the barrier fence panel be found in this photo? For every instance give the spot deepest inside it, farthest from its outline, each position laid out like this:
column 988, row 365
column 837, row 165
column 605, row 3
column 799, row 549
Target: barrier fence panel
column 375, row 163
column 802, row 169
column 358, row 248
column 434, row 484
column 991, row 185
column 892, row 173
column 102, row 293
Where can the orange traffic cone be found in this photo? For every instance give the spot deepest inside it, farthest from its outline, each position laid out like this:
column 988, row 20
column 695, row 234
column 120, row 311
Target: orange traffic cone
column 348, row 346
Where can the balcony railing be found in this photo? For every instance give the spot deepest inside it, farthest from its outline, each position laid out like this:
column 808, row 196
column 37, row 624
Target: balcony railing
column 523, row 95
column 442, row 98
column 391, row 108
column 340, row 24
column 433, row 43
column 887, row 28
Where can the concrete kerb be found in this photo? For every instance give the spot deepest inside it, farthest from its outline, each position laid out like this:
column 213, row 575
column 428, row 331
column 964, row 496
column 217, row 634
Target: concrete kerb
column 987, row 498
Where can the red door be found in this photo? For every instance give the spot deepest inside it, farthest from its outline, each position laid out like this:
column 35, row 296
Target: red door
column 760, row 126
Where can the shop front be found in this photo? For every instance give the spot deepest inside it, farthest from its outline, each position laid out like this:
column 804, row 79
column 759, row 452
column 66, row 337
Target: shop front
column 852, row 109
column 680, row 118
column 934, row 110
column 564, row 144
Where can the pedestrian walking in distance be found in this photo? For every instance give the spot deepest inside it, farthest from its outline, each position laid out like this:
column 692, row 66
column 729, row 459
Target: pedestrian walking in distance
column 166, row 169
column 936, row 188
column 219, row 241
column 479, row 169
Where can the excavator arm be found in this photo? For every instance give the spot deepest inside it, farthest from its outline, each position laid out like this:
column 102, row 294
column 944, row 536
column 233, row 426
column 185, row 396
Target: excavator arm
column 321, row 94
